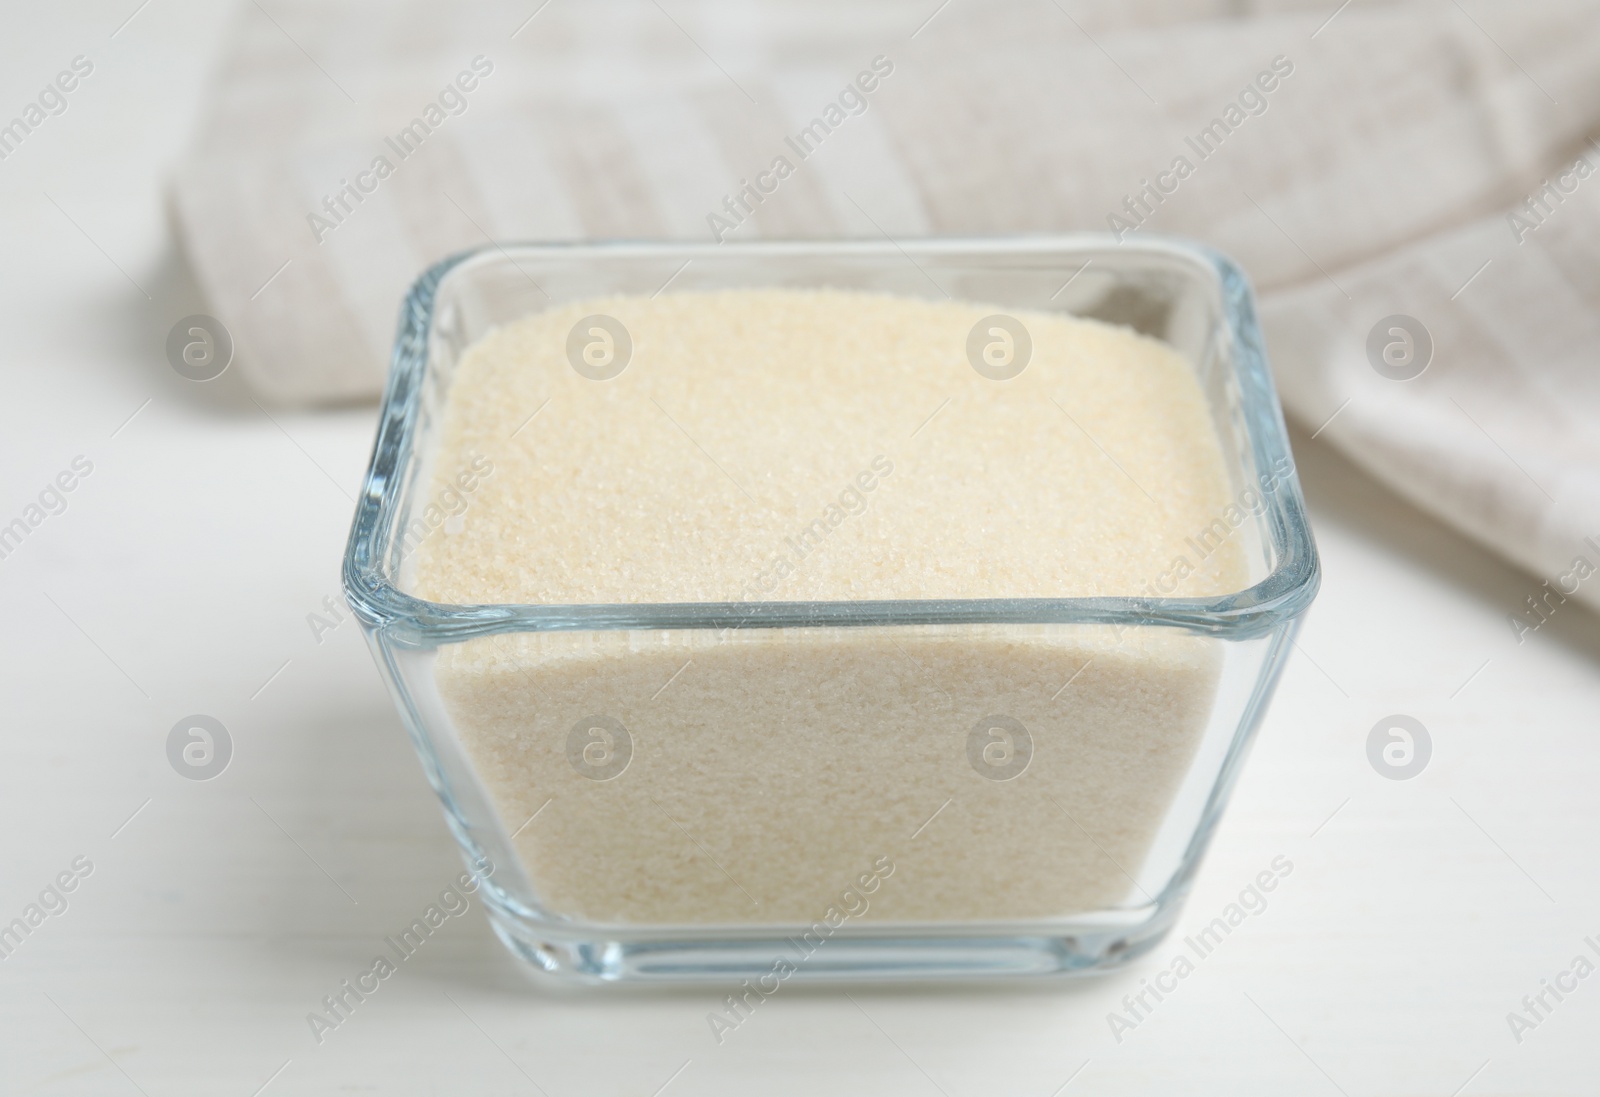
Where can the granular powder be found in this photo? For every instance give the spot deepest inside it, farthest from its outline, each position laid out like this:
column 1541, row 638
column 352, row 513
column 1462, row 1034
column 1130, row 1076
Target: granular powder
column 826, row 445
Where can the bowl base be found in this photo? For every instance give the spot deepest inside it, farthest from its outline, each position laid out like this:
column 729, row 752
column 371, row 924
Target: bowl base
column 766, row 963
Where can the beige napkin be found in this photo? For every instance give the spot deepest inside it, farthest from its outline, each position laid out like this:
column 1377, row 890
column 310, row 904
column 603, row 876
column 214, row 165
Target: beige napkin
column 1361, row 162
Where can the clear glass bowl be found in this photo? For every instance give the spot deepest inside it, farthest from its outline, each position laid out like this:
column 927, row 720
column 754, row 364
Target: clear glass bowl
column 1061, row 898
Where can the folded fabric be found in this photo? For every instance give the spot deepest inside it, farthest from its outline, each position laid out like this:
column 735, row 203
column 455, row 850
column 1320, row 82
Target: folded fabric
column 1364, row 162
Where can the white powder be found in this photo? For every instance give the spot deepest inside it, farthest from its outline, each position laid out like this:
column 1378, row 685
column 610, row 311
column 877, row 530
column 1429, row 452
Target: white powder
column 797, row 445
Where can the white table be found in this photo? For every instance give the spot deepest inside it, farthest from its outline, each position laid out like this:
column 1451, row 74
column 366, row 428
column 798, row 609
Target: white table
column 217, row 914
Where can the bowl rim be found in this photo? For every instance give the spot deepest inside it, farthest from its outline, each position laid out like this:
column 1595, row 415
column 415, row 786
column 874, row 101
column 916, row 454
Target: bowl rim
column 407, row 621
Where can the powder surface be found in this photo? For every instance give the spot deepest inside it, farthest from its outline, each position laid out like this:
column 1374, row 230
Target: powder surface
column 731, row 458
column 813, row 444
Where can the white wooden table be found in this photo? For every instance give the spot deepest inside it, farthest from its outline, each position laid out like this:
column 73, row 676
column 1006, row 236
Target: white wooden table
column 214, row 916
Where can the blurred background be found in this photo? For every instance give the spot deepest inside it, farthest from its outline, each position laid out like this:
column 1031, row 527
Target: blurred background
column 1411, row 187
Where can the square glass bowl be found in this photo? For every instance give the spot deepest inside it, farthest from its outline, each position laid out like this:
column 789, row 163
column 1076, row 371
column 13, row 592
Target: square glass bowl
column 840, row 838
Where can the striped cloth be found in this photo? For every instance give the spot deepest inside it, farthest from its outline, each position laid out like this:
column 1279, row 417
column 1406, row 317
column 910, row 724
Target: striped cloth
column 1432, row 160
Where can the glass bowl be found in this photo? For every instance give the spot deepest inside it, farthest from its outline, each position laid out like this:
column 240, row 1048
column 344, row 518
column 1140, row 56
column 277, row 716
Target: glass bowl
column 857, row 839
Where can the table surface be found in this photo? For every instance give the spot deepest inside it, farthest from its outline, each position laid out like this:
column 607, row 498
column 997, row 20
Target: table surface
column 208, row 919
